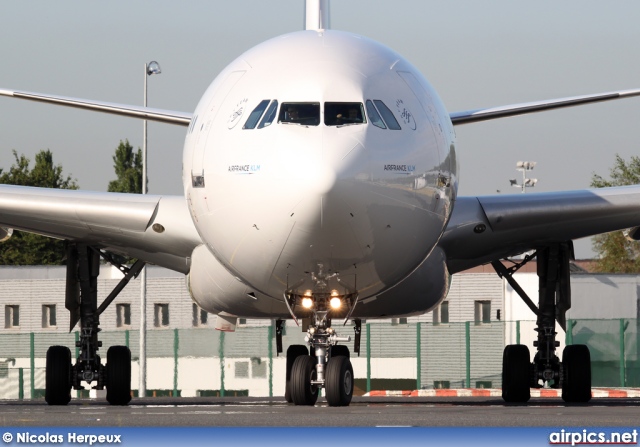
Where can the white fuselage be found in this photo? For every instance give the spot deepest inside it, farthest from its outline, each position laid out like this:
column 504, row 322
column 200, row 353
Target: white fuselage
column 278, row 204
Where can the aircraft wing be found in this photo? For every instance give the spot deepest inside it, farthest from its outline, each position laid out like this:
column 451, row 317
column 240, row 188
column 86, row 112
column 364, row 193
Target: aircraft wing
column 472, row 116
column 164, row 116
column 156, row 229
column 484, row 229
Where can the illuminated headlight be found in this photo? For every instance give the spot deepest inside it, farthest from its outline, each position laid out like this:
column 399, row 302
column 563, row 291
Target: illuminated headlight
column 335, row 303
column 312, row 330
column 307, row 303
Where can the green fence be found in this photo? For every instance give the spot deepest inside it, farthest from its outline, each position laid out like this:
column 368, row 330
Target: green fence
column 614, row 347
column 203, row 362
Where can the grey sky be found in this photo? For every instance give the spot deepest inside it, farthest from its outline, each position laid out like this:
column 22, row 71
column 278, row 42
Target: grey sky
column 475, row 53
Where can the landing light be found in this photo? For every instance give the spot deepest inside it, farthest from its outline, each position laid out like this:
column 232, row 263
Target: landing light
column 335, row 303
column 307, row 302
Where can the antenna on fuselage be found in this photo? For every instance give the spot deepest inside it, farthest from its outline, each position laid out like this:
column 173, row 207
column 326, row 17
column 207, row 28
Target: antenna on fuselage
column 316, row 15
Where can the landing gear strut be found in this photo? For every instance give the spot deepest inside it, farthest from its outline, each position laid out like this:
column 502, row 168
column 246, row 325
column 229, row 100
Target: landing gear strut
column 83, row 268
column 573, row 374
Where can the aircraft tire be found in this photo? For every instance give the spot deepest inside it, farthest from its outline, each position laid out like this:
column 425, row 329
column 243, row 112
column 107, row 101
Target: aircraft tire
column 58, row 376
column 516, row 369
column 293, row 352
column 302, row 373
column 576, row 362
column 343, row 350
column 118, row 380
column 339, row 381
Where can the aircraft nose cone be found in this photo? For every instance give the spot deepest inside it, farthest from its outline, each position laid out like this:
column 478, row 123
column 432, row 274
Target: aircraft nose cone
column 307, row 170
column 321, row 179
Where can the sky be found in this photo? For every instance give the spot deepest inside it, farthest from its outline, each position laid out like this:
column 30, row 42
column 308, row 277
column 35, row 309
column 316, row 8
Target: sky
column 476, row 54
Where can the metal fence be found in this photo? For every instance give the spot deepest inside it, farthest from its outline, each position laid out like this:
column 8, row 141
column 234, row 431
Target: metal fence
column 204, row 362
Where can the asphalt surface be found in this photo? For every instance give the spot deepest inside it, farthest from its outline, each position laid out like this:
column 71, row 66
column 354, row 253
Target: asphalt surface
column 363, row 412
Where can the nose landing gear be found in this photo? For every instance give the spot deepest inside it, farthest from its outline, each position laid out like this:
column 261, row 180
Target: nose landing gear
column 325, row 364
column 329, row 367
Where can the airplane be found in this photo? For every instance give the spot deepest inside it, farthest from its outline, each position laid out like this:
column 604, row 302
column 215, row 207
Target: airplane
column 320, row 185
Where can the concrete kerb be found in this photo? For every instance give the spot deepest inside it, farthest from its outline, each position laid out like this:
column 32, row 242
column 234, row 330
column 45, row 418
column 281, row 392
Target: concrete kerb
column 496, row 392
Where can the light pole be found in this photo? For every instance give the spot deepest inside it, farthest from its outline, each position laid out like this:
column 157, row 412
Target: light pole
column 524, row 166
column 149, row 69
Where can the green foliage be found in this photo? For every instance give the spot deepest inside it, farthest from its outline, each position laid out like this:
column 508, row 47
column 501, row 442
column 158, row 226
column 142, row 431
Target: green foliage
column 616, row 253
column 128, row 167
column 44, row 174
column 622, row 174
column 26, row 248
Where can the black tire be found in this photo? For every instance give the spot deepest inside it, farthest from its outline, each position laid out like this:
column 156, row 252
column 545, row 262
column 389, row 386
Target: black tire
column 339, row 381
column 302, row 373
column 293, row 352
column 342, row 350
column 118, row 375
column 516, row 374
column 58, row 376
column 576, row 365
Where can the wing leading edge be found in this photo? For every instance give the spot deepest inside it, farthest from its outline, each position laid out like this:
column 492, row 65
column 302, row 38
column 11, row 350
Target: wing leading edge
column 484, row 229
column 164, row 116
column 184, row 119
column 156, row 229
column 472, row 116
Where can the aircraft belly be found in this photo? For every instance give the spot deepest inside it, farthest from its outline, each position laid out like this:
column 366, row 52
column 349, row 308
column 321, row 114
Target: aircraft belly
column 371, row 239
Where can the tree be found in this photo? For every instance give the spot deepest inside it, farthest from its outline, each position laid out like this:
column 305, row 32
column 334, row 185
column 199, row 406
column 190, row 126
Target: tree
column 616, row 253
column 128, row 167
column 44, row 174
column 26, row 248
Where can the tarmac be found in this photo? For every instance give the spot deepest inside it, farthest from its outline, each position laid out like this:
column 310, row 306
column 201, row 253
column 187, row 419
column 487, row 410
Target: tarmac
column 482, row 411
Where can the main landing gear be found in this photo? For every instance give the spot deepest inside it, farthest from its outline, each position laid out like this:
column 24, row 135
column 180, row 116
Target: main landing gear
column 325, row 364
column 573, row 373
column 83, row 268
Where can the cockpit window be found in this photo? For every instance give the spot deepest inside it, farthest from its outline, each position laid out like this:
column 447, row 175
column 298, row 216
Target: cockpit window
column 302, row 113
column 343, row 113
column 387, row 115
column 256, row 114
column 374, row 116
column 269, row 115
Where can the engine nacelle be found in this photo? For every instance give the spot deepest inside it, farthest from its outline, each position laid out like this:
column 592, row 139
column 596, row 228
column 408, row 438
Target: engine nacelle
column 420, row 292
column 216, row 290
column 5, row 233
